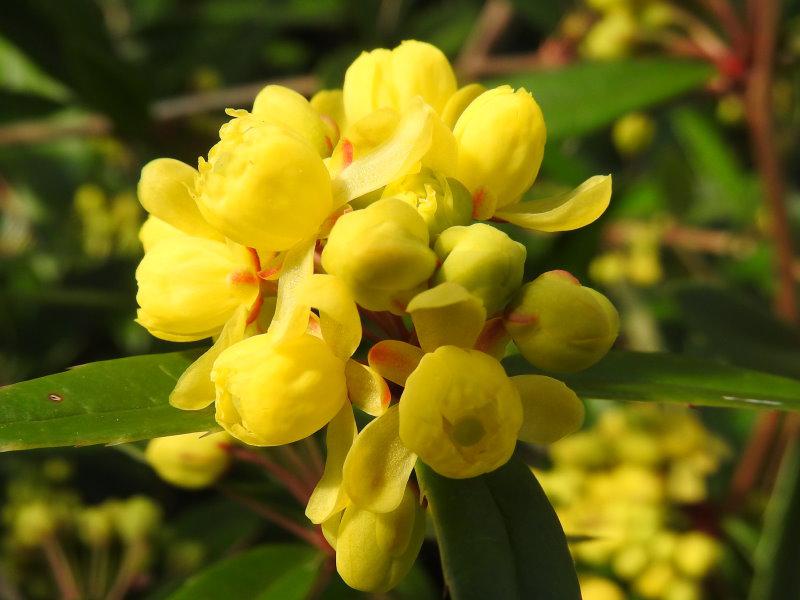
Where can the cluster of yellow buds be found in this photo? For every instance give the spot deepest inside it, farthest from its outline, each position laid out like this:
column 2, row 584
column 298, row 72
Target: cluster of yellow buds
column 636, row 261
column 109, row 226
column 621, row 25
column 622, row 484
column 366, row 214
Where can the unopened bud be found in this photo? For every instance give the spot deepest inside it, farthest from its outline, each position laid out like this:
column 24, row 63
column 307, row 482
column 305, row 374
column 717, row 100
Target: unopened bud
column 191, row 460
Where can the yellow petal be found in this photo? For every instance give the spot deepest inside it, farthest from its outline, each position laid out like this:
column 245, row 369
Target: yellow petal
column 194, row 389
column 328, row 497
column 396, row 157
column 447, row 315
column 564, row 212
column 550, row 409
column 459, row 101
column 394, row 360
column 378, row 465
column 339, row 320
column 330, row 529
column 367, row 389
column 291, row 312
column 165, row 191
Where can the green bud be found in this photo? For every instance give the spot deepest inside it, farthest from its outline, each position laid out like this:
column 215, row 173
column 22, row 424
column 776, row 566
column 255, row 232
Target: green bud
column 441, row 201
column 382, row 254
column 559, row 325
column 95, row 526
column 33, row 523
column 483, row 260
column 136, row 518
column 374, row 551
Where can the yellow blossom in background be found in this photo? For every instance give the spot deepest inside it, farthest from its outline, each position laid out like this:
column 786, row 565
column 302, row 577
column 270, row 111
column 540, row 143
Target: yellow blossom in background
column 614, row 484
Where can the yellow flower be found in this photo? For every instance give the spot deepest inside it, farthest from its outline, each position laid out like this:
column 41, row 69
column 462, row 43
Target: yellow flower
column 189, row 287
column 264, row 186
column 559, row 325
column 393, row 78
column 633, row 133
column 441, row 201
column 501, row 137
column 374, row 551
column 329, row 105
column 191, row 460
column 460, row 412
column 381, row 253
column 272, row 392
column 281, row 106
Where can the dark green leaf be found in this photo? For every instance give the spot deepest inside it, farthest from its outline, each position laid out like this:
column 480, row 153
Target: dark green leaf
column 778, row 553
column 274, row 572
column 661, row 377
column 727, row 325
column 20, row 74
column 498, row 536
column 105, row 402
column 584, row 97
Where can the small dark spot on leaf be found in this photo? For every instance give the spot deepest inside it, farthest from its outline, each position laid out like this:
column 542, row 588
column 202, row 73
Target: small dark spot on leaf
column 55, row 397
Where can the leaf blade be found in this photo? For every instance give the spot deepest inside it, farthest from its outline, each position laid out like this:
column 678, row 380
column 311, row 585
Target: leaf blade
column 662, row 377
column 498, row 536
column 613, row 89
column 106, row 402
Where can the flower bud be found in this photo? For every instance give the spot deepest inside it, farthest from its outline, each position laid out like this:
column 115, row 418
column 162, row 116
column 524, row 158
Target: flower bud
column 374, row 551
column 384, row 78
column 460, row 412
column 482, row 259
column 611, row 37
column 191, row 460
column 272, row 392
column 695, row 554
column 501, row 137
column 329, row 105
column 382, row 254
column 189, row 287
column 264, row 186
column 559, row 325
column 33, row 523
column 441, row 201
column 633, row 133
column 600, row 588
column 459, row 101
column 136, row 518
column 95, row 526
column 281, row 106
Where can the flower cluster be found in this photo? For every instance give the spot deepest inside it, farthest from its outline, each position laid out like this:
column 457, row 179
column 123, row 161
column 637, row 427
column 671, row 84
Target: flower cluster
column 359, row 225
column 624, row 484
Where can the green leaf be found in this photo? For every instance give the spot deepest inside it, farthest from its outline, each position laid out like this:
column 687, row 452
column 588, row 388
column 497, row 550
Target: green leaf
column 20, row 74
column 724, row 190
column 498, row 536
column 106, row 402
column 584, row 97
column 727, row 325
column 776, row 574
column 273, row 572
column 661, row 377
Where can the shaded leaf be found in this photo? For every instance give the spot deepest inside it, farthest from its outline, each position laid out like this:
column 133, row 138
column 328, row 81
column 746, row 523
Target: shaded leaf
column 777, row 555
column 20, row 74
column 274, row 572
column 498, row 536
column 662, row 377
column 105, row 402
column 584, row 97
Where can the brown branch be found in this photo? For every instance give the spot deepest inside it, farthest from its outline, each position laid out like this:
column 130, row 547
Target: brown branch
column 758, row 104
column 755, row 454
column 31, row 132
column 489, row 27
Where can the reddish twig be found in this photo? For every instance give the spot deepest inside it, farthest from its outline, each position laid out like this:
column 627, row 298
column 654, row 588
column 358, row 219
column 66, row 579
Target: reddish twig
column 61, row 569
column 293, row 484
column 758, row 103
column 751, row 463
column 315, row 538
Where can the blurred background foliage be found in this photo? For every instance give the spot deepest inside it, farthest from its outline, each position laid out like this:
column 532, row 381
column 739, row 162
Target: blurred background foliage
column 90, row 90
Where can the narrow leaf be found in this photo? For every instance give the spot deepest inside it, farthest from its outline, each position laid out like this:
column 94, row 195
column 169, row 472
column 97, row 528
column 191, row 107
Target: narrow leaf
column 106, row 402
column 587, row 96
column 661, row 377
column 274, row 572
column 498, row 536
